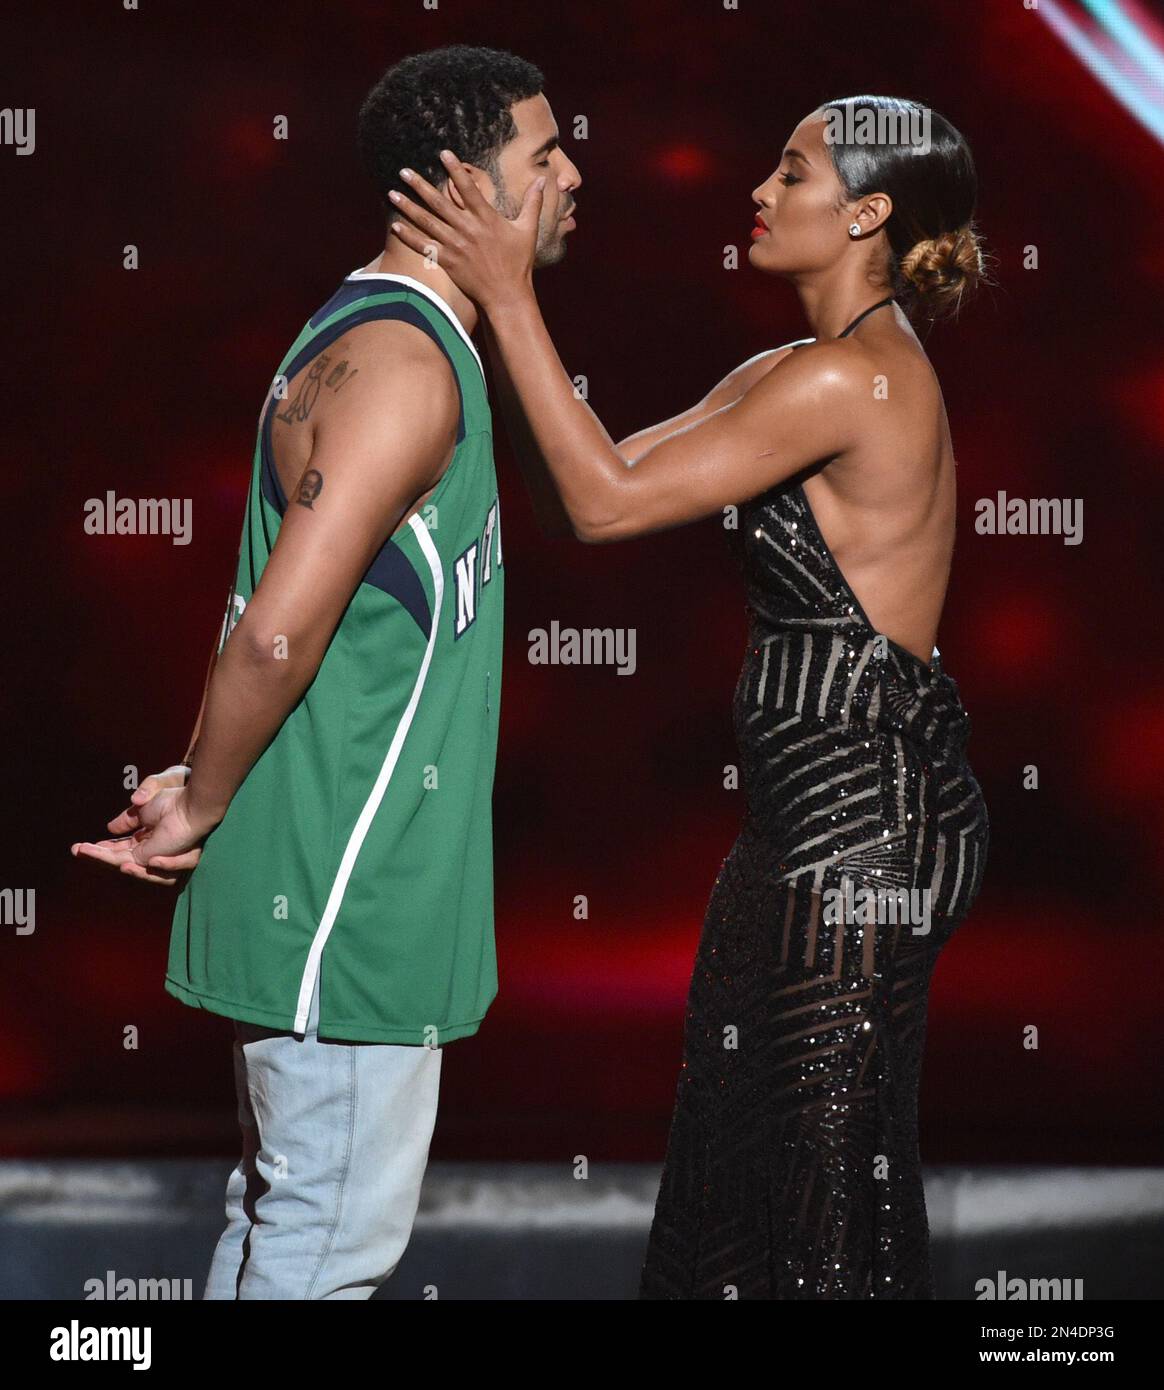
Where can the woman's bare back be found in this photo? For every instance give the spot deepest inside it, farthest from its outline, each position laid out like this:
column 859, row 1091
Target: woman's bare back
column 886, row 509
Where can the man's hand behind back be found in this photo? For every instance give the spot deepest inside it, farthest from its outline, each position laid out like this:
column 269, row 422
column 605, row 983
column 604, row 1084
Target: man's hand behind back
column 129, row 828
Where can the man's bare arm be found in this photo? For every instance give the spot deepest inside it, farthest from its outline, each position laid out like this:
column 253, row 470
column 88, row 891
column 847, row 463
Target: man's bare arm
column 116, row 852
column 193, row 744
column 385, row 445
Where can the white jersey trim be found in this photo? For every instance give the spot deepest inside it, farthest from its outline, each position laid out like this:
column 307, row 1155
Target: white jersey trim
column 429, row 293
column 371, row 806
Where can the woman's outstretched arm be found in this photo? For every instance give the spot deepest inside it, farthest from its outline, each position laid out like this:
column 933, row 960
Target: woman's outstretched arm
column 786, row 421
column 543, row 492
column 726, row 392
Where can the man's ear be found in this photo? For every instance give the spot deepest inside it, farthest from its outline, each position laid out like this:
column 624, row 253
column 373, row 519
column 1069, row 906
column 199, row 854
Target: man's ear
column 483, row 182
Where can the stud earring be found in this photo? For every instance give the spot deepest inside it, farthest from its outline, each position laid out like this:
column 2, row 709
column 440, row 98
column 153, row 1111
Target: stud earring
column 854, row 229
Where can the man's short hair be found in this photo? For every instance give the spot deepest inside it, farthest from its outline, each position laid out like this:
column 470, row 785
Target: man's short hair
column 455, row 98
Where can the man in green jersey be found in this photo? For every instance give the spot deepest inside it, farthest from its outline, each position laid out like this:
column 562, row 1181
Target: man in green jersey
column 332, row 820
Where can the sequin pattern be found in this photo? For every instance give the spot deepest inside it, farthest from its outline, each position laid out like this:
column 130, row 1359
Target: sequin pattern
column 792, row 1167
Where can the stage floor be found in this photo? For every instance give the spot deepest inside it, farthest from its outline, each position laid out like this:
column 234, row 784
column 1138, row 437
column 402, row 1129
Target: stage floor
column 534, row 1231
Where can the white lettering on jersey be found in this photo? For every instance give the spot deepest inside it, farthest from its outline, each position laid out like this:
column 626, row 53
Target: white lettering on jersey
column 465, row 583
column 473, row 569
column 487, row 546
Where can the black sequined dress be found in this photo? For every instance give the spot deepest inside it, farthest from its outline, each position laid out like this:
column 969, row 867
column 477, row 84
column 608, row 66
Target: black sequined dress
column 792, row 1168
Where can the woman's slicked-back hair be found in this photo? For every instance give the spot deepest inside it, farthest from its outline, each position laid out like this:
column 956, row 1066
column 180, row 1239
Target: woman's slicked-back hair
column 912, row 153
column 455, row 98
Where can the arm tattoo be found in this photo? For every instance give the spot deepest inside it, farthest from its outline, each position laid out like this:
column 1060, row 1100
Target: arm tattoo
column 299, row 407
column 340, row 376
column 310, row 486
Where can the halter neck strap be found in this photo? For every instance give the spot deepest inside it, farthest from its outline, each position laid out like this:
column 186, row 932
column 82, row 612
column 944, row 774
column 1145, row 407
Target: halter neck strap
column 881, row 303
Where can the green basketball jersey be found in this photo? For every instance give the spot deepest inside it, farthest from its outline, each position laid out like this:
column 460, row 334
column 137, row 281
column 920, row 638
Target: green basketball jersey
column 359, row 848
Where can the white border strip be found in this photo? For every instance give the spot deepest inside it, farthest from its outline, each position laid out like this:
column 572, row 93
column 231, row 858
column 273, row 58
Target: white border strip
column 438, row 300
column 372, row 805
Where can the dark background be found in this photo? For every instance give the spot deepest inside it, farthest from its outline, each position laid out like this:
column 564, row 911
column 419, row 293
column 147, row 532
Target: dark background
column 154, row 128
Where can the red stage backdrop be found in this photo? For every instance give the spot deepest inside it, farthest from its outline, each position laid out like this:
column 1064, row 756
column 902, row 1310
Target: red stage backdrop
column 154, row 129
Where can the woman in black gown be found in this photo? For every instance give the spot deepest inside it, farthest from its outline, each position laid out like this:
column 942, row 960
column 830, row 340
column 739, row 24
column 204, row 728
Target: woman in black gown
column 792, row 1167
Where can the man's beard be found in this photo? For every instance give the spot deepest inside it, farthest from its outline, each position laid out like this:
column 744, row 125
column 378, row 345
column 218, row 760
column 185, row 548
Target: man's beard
column 551, row 243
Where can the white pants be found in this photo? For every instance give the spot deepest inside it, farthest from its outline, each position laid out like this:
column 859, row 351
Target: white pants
column 335, row 1144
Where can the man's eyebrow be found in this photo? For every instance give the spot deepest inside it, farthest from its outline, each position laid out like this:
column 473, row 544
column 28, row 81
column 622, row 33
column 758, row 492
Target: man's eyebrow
column 546, row 146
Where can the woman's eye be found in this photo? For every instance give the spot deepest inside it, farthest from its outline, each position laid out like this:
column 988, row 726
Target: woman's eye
column 543, row 163
column 789, row 178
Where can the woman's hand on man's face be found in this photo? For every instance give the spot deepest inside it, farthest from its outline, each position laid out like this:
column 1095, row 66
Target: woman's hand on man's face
column 487, row 256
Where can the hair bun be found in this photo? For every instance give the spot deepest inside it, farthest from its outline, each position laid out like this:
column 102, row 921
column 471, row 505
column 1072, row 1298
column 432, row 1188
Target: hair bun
column 942, row 269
